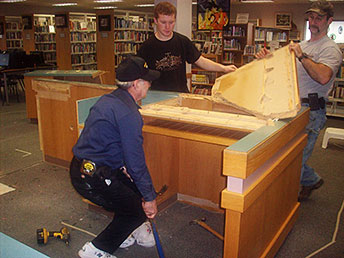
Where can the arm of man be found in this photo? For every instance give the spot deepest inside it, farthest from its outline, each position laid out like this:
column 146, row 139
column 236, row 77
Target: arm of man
column 212, row 66
column 319, row 72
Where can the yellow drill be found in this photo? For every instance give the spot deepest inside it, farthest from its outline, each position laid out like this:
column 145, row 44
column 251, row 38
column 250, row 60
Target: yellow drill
column 43, row 235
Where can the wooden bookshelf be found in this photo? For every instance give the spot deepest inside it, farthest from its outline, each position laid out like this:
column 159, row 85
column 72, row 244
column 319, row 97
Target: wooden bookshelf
column 13, row 32
column 235, row 38
column 83, row 41
column 270, row 37
column 45, row 37
column 28, row 33
column 131, row 29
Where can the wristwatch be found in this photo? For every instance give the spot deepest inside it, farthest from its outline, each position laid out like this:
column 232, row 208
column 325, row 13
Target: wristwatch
column 302, row 56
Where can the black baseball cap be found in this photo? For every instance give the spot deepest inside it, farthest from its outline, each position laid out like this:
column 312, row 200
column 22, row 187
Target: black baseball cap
column 322, row 8
column 133, row 68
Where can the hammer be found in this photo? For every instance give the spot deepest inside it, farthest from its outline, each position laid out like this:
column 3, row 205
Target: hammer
column 202, row 223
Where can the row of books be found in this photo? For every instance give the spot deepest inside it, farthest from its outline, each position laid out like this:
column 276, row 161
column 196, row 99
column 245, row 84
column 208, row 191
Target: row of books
column 82, row 25
column 14, row 26
column 46, row 38
column 50, row 57
column 131, row 35
column 14, row 35
column 86, row 58
column 338, row 92
column 80, row 36
column 80, row 48
column 45, row 47
column 14, row 44
column 126, row 47
column 201, row 91
column 229, row 44
column 45, row 29
column 131, row 24
column 234, row 31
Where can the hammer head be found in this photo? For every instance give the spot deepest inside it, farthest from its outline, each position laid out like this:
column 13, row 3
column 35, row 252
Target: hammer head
column 196, row 221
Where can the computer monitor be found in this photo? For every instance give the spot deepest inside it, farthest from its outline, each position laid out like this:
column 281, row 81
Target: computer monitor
column 4, row 59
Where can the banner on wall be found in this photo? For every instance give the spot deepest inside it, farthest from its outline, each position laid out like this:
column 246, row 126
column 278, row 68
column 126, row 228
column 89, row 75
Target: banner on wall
column 212, row 14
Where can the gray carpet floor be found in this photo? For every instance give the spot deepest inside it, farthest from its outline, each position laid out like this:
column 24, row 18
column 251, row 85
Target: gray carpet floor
column 44, row 197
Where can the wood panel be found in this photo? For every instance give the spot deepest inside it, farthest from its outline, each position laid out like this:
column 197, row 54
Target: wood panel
column 29, row 37
column 63, row 48
column 270, row 208
column 106, row 48
column 57, row 116
column 3, row 45
column 30, row 98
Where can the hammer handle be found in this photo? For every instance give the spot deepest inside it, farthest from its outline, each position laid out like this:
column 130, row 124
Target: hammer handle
column 204, row 225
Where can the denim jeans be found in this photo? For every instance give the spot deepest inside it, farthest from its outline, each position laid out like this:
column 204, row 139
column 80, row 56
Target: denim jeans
column 317, row 120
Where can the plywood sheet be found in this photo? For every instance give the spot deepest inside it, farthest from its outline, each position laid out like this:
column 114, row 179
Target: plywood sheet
column 266, row 88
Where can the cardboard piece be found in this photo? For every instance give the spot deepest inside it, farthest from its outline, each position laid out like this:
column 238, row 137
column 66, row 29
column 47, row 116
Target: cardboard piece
column 266, row 88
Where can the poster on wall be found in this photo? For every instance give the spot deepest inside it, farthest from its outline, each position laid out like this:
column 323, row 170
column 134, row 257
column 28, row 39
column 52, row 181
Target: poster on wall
column 212, row 14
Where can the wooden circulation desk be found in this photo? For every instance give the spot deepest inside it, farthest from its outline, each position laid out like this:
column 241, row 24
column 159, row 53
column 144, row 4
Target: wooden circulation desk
column 215, row 159
column 94, row 76
column 205, row 153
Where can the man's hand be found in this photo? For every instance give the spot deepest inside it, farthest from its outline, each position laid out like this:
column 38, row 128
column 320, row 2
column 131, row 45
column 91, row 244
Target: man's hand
column 229, row 68
column 262, row 53
column 150, row 208
column 296, row 48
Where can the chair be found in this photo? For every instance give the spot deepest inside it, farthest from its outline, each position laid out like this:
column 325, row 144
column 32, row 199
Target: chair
column 336, row 133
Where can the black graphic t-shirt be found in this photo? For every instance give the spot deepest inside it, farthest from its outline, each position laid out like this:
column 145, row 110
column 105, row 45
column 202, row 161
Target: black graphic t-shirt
column 169, row 58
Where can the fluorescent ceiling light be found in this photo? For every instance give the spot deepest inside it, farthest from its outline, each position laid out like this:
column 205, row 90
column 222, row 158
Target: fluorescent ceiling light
column 64, row 4
column 257, row 1
column 105, row 7
column 107, row 1
column 144, row 5
column 12, row 1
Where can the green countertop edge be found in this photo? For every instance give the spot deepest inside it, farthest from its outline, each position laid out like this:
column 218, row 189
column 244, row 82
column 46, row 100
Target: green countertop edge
column 66, row 73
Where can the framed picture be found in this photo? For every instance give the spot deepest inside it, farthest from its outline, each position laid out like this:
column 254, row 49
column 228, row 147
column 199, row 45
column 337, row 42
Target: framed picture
column 27, row 22
column 212, row 15
column 104, row 22
column 283, row 20
column 61, row 20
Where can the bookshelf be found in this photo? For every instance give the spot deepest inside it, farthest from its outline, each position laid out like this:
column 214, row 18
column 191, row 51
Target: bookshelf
column 14, row 32
column 336, row 99
column 235, row 38
column 45, row 37
column 83, row 41
column 202, row 81
column 271, row 38
column 131, row 29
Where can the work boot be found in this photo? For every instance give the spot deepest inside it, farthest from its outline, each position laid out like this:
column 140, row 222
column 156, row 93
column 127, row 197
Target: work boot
column 306, row 191
column 144, row 235
column 90, row 251
column 128, row 242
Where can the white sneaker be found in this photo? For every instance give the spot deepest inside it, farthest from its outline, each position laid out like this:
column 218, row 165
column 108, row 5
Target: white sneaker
column 144, row 235
column 90, row 251
column 128, row 242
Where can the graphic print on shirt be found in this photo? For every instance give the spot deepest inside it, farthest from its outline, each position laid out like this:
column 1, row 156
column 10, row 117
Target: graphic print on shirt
column 168, row 63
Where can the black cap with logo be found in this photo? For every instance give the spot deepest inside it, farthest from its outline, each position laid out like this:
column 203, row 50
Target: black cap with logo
column 133, row 68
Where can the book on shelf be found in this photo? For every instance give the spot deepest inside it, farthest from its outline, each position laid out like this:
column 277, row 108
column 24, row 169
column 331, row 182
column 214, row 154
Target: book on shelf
column 200, row 78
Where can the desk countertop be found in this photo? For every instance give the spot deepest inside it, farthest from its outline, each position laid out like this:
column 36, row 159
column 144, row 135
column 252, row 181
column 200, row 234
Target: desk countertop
column 65, row 73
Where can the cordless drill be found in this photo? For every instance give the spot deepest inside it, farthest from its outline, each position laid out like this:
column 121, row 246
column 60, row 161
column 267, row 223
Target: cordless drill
column 43, row 235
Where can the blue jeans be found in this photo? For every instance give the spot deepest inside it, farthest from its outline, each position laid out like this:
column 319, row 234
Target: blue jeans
column 317, row 120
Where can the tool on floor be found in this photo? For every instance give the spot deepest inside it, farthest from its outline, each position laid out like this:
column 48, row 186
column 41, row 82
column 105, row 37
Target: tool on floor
column 202, row 223
column 155, row 232
column 43, row 234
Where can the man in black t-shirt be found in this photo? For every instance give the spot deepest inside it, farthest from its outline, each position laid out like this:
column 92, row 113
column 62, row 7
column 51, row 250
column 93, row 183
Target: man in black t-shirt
column 168, row 51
